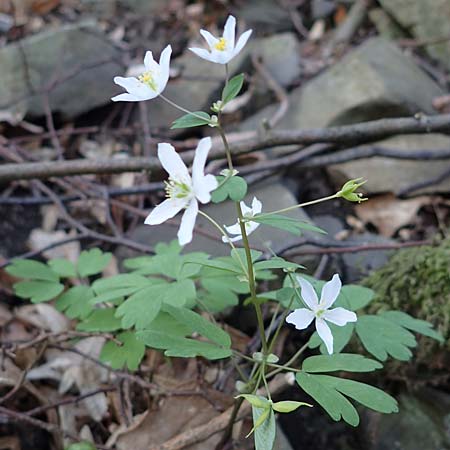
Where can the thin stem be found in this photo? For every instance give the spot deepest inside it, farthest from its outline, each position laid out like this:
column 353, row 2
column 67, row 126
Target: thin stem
column 301, row 205
column 265, row 382
column 170, row 102
column 289, row 363
column 227, row 147
column 222, row 231
column 280, row 324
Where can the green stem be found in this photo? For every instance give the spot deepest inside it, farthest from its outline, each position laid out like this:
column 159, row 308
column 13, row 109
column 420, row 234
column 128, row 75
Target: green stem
column 175, row 105
column 301, row 205
column 277, row 331
column 290, row 362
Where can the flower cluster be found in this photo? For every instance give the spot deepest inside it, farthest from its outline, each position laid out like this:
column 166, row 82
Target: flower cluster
column 184, row 191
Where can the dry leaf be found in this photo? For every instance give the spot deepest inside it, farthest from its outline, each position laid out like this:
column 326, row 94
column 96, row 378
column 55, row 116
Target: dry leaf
column 40, row 238
column 44, row 317
column 388, row 213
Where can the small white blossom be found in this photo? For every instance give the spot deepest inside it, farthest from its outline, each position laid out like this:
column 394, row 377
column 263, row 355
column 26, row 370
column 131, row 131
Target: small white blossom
column 222, row 50
column 250, row 226
column 320, row 310
column 182, row 190
column 150, row 83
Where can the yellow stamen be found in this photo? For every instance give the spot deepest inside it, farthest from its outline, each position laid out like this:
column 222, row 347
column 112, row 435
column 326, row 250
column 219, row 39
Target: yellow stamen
column 221, row 45
column 147, row 78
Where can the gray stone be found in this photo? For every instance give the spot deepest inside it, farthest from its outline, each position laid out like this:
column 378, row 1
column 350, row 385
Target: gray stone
column 263, row 15
column 426, row 20
column 422, row 423
column 396, row 175
column 144, row 6
column 79, row 56
column 374, row 81
column 322, row 8
column 200, row 82
column 361, row 264
column 385, row 25
column 273, row 196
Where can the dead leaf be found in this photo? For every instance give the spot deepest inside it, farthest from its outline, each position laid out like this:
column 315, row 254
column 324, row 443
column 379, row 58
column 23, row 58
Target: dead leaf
column 44, row 317
column 43, row 7
column 40, row 238
column 388, row 213
column 340, row 15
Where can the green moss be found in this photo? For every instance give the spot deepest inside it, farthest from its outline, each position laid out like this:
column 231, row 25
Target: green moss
column 417, row 281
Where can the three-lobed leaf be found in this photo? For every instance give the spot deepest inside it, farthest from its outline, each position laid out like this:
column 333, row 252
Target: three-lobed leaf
column 92, row 262
column 289, row 224
column 234, row 188
column 32, row 270
column 129, row 354
column 340, row 361
column 38, row 290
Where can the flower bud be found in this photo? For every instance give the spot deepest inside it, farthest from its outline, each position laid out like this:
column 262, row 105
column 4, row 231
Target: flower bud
column 348, row 191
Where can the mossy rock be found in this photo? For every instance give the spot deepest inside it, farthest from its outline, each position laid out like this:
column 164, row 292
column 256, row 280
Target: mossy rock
column 417, row 281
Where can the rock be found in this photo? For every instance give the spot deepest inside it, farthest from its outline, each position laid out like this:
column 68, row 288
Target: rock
column 385, row 25
column 200, row 81
column 322, row 8
column 374, row 81
column 59, row 54
column 281, row 56
column 396, row 175
column 144, row 6
column 424, row 21
column 266, row 16
column 273, row 196
column 422, row 423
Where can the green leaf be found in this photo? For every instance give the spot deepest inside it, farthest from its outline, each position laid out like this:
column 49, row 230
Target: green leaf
column 383, row 338
column 38, row 291
column 419, row 326
column 368, row 396
column 130, row 353
column 196, row 323
column 264, row 432
column 289, row 224
column 332, row 401
column 234, row 187
column 220, row 292
column 337, row 362
column 196, row 119
column 116, row 294
column 181, row 346
column 232, row 88
column 288, row 406
column 239, row 254
column 276, row 263
column 30, row 269
column 355, row 297
column 341, row 337
column 75, row 302
column 121, row 281
column 81, row 446
column 63, row 267
column 92, row 262
column 103, row 319
column 141, row 308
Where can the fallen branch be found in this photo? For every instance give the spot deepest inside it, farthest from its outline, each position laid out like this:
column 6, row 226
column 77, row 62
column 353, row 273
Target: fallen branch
column 347, row 134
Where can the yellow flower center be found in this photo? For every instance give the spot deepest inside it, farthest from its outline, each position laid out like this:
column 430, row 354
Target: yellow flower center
column 147, row 79
column 177, row 189
column 221, row 45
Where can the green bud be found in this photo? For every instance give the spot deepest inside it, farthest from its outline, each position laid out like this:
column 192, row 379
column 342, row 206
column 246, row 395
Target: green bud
column 288, row 406
column 217, row 106
column 272, row 359
column 213, row 121
column 348, row 191
column 229, row 173
column 256, row 400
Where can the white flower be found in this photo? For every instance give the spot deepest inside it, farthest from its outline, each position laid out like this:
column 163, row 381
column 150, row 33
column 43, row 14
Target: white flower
column 149, row 84
column 250, row 226
column 182, row 190
column 222, row 50
column 321, row 311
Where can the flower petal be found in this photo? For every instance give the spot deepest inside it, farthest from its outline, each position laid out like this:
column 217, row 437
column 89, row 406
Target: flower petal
column 323, row 330
column 340, row 316
column 125, row 98
column 246, row 210
column 149, row 62
column 203, row 54
column 187, row 223
column 233, row 229
column 135, row 87
column 164, row 68
column 172, row 163
column 330, row 292
column 165, row 210
column 241, row 42
column 309, row 295
column 229, row 31
column 209, row 38
column 300, row 318
column 228, row 239
column 250, row 227
column 203, row 185
column 256, row 206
